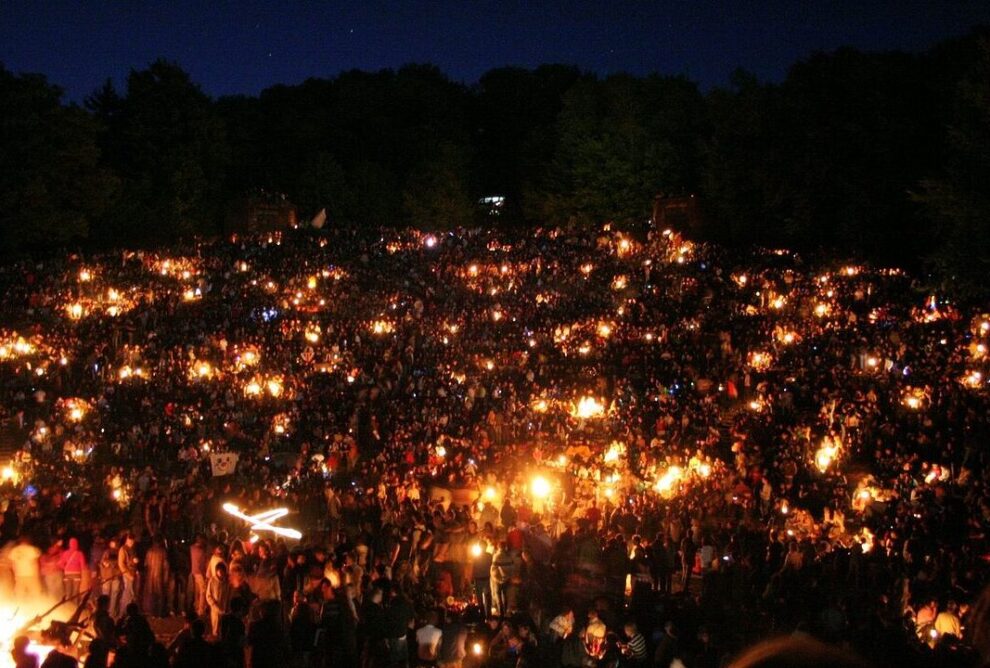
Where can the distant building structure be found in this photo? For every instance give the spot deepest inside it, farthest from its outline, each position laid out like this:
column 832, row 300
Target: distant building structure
column 262, row 212
column 492, row 205
column 681, row 212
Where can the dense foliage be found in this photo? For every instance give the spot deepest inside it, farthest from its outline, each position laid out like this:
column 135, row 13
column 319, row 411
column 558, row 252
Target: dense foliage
column 884, row 156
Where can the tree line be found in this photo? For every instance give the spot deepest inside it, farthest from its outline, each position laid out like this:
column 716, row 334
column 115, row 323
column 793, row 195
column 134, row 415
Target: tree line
column 883, row 156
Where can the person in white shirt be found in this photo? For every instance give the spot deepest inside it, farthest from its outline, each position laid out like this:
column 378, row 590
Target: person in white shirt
column 428, row 638
column 27, row 577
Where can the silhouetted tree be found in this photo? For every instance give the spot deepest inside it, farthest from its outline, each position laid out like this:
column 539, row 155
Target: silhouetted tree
column 52, row 188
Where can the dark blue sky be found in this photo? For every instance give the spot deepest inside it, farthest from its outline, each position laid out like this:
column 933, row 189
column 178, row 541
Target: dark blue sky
column 243, row 47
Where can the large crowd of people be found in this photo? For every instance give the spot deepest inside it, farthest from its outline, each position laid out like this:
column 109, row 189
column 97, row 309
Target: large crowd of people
column 553, row 447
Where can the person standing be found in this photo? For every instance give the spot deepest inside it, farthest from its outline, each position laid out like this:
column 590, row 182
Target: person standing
column 481, row 572
column 27, row 577
column 110, row 578
column 428, row 639
column 127, row 563
column 51, row 573
column 156, row 570
column 72, row 562
column 197, row 569
column 505, row 567
column 218, row 596
column 266, row 646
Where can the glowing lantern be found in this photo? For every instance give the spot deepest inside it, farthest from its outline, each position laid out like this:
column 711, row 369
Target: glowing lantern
column 85, row 276
column 619, row 282
column 973, row 379
column 476, row 550
column 311, row 282
column 587, row 268
column 252, row 388
column 380, row 327
column 822, row 309
column 274, row 386
column 540, row 406
column 249, row 358
column 76, row 409
column 604, row 330
column 75, row 310
column 760, row 361
column 914, row 398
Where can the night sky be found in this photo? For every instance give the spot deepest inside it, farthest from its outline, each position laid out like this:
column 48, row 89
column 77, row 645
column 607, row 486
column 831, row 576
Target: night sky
column 243, row 47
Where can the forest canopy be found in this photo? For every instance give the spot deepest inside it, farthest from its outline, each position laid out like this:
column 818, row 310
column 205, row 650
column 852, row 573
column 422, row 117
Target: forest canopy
column 879, row 156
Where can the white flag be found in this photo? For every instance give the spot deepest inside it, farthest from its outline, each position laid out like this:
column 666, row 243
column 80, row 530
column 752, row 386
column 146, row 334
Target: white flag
column 319, row 220
column 223, row 463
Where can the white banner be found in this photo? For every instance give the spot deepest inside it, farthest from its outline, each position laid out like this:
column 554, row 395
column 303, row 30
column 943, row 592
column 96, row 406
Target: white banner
column 223, row 463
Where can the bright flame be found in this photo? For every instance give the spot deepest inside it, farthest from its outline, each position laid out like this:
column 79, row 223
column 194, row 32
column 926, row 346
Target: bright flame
column 588, row 407
column 827, row 453
column 615, row 451
column 262, row 521
column 540, row 487
column 665, row 484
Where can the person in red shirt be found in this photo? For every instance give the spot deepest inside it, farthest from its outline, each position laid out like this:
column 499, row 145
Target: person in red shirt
column 72, row 562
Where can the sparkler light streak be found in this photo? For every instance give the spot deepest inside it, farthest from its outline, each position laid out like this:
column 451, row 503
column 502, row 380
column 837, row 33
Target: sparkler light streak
column 262, row 521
